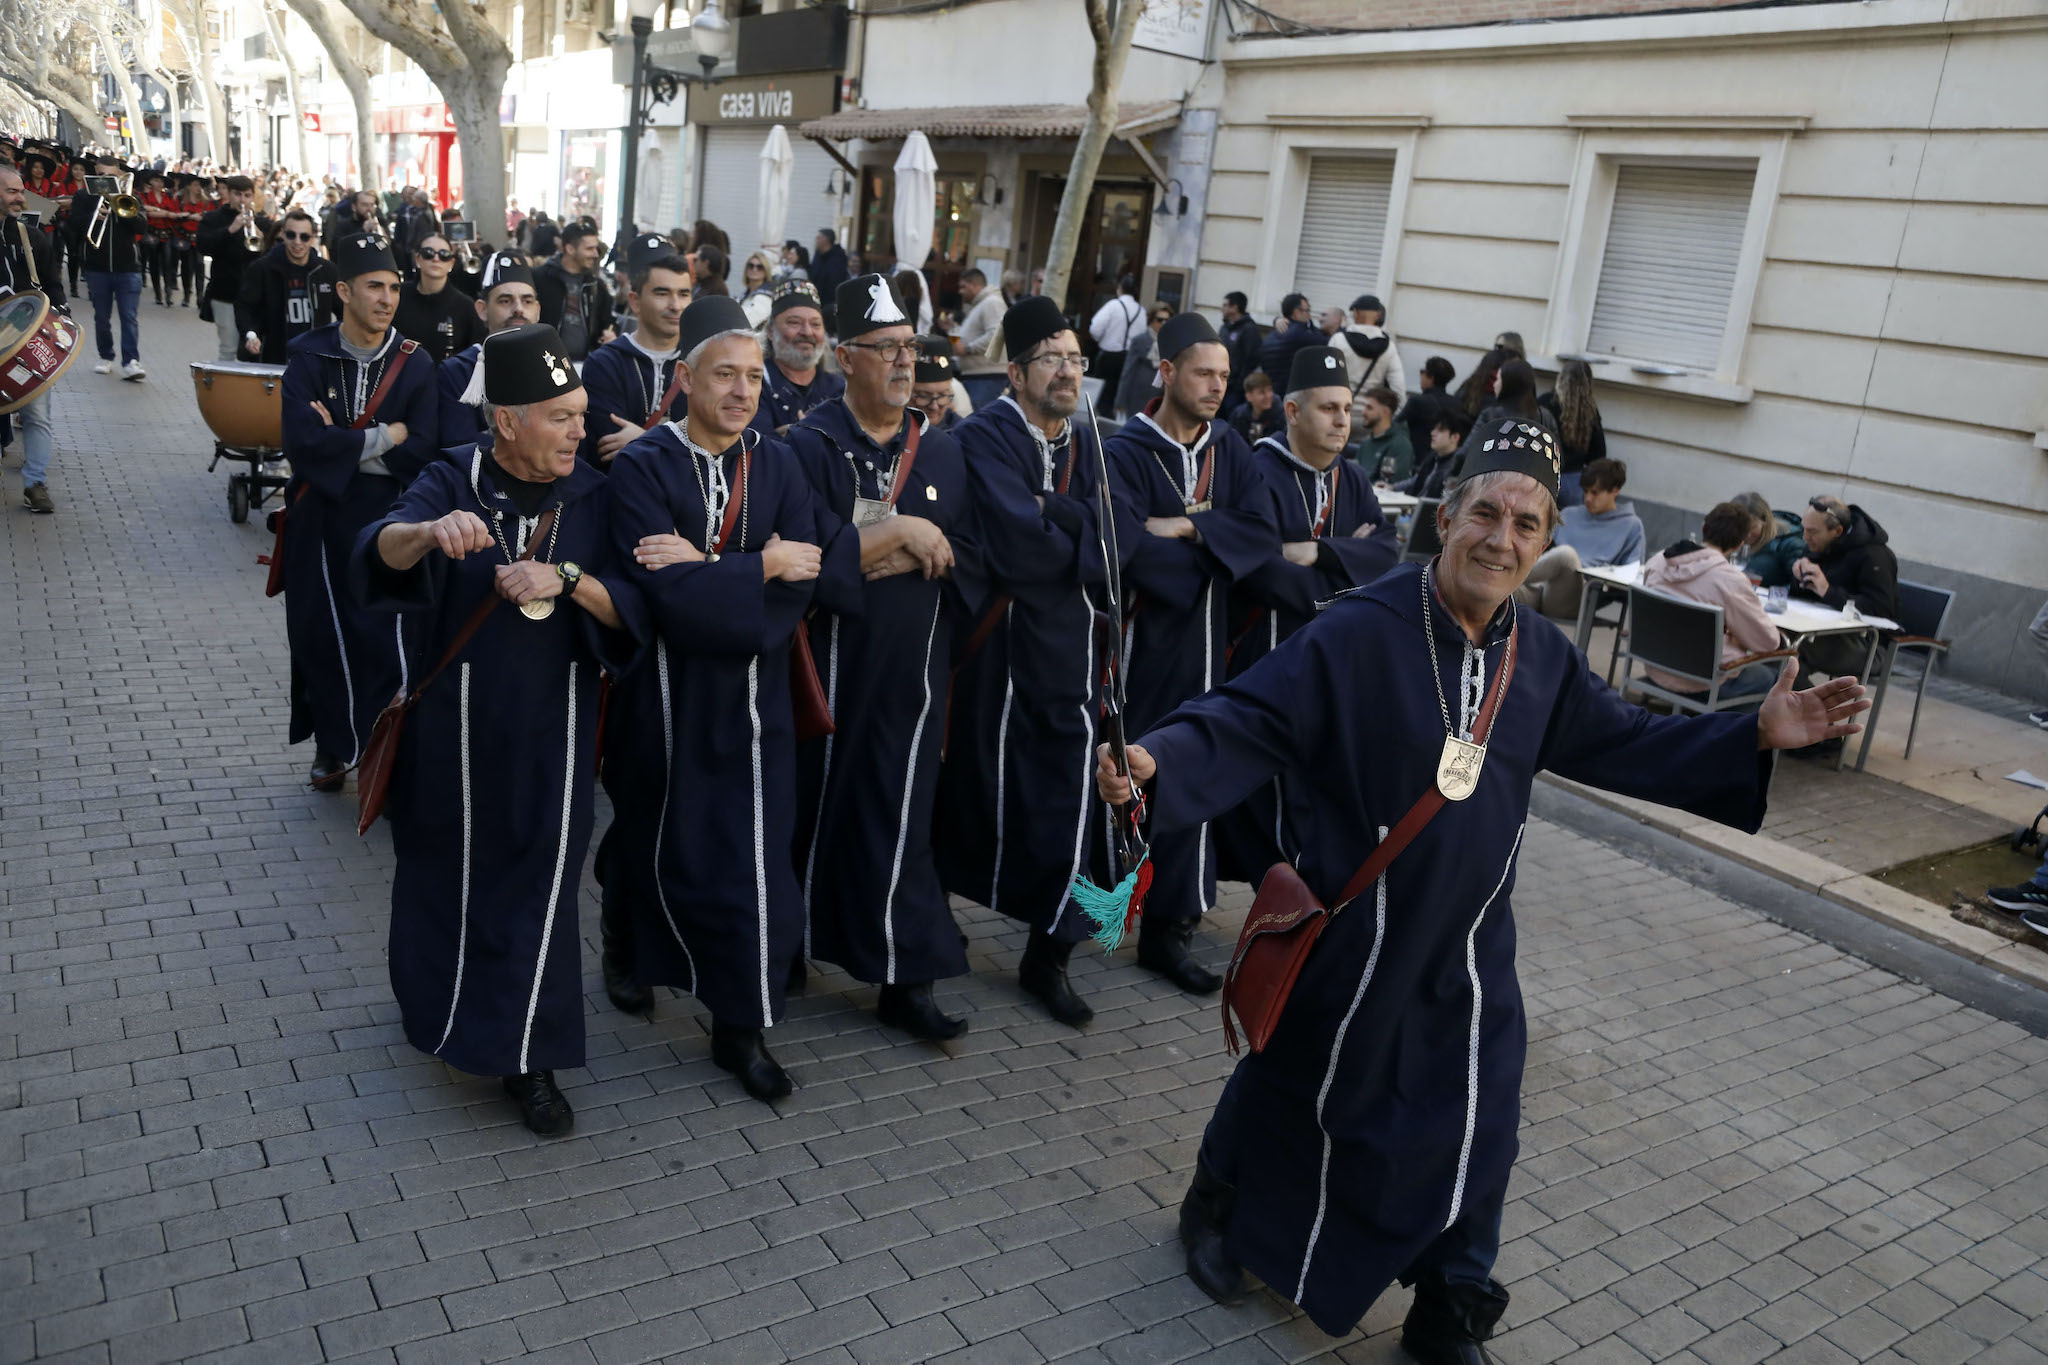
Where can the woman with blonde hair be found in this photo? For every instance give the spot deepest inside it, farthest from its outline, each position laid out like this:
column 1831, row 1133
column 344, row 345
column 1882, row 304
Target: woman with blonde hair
column 754, row 287
column 1581, row 439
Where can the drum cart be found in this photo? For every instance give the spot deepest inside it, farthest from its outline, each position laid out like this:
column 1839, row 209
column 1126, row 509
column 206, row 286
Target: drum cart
column 243, row 404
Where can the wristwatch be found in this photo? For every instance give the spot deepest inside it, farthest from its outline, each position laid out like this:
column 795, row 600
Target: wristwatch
column 572, row 574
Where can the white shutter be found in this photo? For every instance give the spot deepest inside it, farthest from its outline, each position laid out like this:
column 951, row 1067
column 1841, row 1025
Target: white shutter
column 1674, row 242
column 1343, row 228
column 730, row 191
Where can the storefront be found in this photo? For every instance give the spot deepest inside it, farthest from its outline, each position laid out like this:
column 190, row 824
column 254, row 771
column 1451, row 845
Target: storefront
column 417, row 146
column 733, row 119
column 589, row 164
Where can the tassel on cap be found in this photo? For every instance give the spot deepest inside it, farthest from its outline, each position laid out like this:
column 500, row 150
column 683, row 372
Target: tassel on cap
column 473, row 392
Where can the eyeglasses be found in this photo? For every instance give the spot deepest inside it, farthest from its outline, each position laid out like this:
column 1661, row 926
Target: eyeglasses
column 1054, row 363
column 889, row 351
column 1820, row 505
column 427, row 253
column 298, row 236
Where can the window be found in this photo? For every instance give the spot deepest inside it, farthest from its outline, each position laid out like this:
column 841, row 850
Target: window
column 1343, row 228
column 1669, row 267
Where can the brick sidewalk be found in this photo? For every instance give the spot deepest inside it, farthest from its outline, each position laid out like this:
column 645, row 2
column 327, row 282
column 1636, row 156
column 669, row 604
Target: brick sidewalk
column 1739, row 1144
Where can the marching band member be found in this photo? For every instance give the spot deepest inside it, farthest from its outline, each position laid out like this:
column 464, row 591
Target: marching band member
column 507, row 301
column 113, row 274
column 27, row 262
column 223, row 235
column 285, row 293
column 796, row 378
column 634, row 379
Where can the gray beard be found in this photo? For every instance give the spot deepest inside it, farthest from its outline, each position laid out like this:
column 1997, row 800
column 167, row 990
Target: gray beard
column 792, row 356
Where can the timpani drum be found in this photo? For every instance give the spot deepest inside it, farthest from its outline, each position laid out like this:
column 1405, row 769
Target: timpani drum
column 242, row 403
column 37, row 344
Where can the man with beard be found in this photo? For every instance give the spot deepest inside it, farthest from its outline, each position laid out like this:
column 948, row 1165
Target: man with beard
column 1194, row 516
column 1016, row 809
column 504, row 562
column 634, row 380
column 796, row 350
column 286, row 293
column 702, row 766
column 507, row 301
column 864, row 839
column 359, row 423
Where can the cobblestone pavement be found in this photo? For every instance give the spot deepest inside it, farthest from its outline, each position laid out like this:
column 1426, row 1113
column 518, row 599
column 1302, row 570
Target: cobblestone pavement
column 1739, row 1143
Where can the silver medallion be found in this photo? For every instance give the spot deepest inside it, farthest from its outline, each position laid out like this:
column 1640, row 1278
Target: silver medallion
column 871, row 511
column 539, row 609
column 1457, row 768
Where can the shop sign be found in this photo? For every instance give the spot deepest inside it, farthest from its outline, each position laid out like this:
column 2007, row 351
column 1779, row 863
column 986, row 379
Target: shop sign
column 1179, row 27
column 312, row 122
column 413, row 118
column 765, row 99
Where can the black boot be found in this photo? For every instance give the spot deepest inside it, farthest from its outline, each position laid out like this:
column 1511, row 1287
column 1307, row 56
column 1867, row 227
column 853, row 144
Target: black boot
column 1163, row 948
column 1043, row 973
column 912, row 1009
column 328, row 772
column 1450, row 1321
column 744, row 1052
column 1204, row 1219
column 540, row 1104
column 615, row 937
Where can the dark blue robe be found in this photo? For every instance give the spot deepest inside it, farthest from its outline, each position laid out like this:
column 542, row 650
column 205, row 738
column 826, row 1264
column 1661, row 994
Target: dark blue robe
column 1279, row 598
column 1383, row 1112
column 864, row 830
column 1177, row 603
column 1017, row 815
column 490, row 800
column 347, row 662
column 461, row 423
column 624, row 381
column 702, row 769
column 783, row 404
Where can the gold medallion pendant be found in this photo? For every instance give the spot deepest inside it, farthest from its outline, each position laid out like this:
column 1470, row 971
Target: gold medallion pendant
column 1457, row 768
column 539, row 609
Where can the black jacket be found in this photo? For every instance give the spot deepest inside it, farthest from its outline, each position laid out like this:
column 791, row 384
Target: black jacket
column 829, row 271
column 117, row 251
column 552, row 284
column 279, row 301
column 1860, row 568
column 442, row 323
column 227, row 251
column 1276, row 352
column 14, row 265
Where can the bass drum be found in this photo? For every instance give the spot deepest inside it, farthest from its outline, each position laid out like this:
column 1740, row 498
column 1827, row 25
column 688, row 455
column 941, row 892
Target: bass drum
column 241, row 402
column 37, row 344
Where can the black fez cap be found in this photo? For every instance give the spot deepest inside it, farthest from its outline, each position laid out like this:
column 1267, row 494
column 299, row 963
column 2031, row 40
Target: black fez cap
column 1317, row 367
column 795, row 294
column 526, row 364
column 359, row 254
column 1183, row 330
column 708, row 317
column 934, row 361
column 1031, row 321
column 1364, row 301
column 1517, row 448
column 645, row 249
column 505, row 268
column 864, row 304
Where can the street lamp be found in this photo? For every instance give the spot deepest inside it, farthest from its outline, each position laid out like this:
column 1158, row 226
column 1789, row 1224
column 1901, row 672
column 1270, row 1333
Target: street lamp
column 652, row 85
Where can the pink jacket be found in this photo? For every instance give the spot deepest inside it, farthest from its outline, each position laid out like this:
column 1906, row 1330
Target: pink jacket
column 1705, row 575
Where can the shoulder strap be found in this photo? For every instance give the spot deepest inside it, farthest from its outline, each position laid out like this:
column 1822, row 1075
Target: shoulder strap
column 906, row 461
column 668, row 397
column 1329, row 507
column 483, row 610
column 1208, row 474
column 369, row 414
column 732, row 504
column 1431, row 801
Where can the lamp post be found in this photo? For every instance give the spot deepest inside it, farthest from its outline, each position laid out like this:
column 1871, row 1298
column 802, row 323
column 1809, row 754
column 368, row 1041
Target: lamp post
column 652, row 85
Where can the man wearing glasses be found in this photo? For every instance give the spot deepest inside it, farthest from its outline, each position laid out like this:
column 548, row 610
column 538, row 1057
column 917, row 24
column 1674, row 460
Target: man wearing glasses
column 286, row 293
column 433, row 312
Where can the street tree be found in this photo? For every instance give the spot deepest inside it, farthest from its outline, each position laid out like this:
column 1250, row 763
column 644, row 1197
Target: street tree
column 273, row 23
column 1112, row 51
column 46, row 52
column 190, row 26
column 346, row 65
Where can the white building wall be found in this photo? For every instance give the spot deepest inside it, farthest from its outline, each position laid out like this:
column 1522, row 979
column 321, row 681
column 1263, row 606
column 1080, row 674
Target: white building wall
column 1001, row 52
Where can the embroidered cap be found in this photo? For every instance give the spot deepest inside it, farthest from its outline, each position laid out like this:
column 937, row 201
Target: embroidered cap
column 711, row 316
column 526, row 364
column 795, row 294
column 505, row 268
column 1182, row 331
column 1317, row 367
column 1029, row 322
column 646, row 249
column 361, row 254
column 1517, row 448
column 935, row 364
column 866, row 303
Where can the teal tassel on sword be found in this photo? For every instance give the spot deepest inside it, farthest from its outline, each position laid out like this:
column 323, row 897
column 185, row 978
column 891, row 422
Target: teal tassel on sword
column 1114, row 912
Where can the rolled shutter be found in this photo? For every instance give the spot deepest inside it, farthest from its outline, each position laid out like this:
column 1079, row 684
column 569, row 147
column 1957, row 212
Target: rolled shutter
column 1343, row 228
column 730, row 191
column 1674, row 242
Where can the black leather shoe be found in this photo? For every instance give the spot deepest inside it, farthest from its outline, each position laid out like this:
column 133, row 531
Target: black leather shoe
column 328, row 772
column 540, row 1104
column 1449, row 1323
column 1163, row 948
column 615, row 938
column 1204, row 1218
column 912, row 1009
column 1043, row 973
column 744, row 1052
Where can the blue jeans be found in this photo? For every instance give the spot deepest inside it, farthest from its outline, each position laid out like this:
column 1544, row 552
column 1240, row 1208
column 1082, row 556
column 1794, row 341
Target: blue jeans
column 37, row 440
column 109, row 288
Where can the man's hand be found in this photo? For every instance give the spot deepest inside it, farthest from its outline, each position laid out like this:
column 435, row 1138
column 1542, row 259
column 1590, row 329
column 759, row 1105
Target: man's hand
column 1366, row 529
column 251, row 345
column 627, row 433
column 658, row 552
column 1793, row 720
column 1302, row 552
column 928, row 544
column 1114, row 786
column 460, row 533
column 397, row 432
column 895, row 562
column 320, row 411
column 793, row 561
column 528, row 581
column 1173, row 528
column 1808, row 575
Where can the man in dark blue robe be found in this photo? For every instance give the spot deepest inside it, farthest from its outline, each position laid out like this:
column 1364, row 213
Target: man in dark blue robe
column 354, row 442
column 490, row 799
column 931, row 387
column 632, row 378
column 1017, row 815
column 507, row 300
column 864, row 833
column 1373, row 1136
column 795, row 380
column 702, row 774
column 1334, row 537
column 1194, row 515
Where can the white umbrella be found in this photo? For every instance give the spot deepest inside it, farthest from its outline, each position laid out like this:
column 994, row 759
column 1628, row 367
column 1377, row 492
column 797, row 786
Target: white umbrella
column 778, row 163
column 916, row 177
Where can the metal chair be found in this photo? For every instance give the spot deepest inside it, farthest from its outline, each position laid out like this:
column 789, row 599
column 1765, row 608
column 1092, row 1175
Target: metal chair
column 1923, row 618
column 1423, row 542
column 1680, row 637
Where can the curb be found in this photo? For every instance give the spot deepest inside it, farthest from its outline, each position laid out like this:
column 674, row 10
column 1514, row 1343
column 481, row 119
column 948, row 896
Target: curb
column 1909, row 914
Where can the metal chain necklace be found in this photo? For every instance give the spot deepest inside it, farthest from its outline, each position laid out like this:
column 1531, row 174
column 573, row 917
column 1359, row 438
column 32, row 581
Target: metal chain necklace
column 712, row 485
column 540, row 608
column 1457, row 767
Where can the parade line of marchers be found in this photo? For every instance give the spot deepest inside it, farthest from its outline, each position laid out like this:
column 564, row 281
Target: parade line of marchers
column 834, row 664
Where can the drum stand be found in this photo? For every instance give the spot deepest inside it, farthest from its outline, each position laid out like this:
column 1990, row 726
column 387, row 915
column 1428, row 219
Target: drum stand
column 253, row 489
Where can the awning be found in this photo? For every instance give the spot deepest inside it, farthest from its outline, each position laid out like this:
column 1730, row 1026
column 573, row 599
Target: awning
column 986, row 120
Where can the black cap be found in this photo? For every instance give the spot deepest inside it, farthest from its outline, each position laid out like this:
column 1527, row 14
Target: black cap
column 526, row 364
column 1183, row 330
column 795, row 294
column 935, row 363
column 1364, row 301
column 1031, row 321
column 1518, row 448
column 645, row 249
column 866, row 303
column 708, row 317
column 505, row 268
column 359, row 254
column 1317, row 367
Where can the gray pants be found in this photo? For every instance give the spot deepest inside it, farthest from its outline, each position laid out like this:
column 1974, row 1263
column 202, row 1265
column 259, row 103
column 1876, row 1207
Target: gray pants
column 1554, row 584
column 224, row 328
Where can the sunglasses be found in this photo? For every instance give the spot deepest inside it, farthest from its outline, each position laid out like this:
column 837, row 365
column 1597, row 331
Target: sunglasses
column 298, row 236
column 427, row 253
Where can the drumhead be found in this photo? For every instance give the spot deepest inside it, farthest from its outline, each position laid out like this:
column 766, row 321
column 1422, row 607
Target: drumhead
column 20, row 315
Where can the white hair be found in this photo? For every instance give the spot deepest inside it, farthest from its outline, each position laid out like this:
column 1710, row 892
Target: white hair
column 1464, row 490
column 747, row 332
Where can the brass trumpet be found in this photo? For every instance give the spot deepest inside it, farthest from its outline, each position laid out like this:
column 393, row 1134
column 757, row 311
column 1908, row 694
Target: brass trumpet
column 252, row 235
column 122, row 205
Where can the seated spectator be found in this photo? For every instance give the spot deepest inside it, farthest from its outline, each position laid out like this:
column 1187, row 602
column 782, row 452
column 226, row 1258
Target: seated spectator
column 1260, row 416
column 1774, row 542
column 1431, row 396
column 1847, row 562
column 1383, row 449
column 1580, row 437
column 1599, row 532
column 1446, row 438
column 1704, row 571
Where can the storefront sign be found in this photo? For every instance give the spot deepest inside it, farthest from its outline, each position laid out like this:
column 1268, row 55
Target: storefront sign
column 312, row 122
column 764, row 100
column 413, row 118
column 1179, row 27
